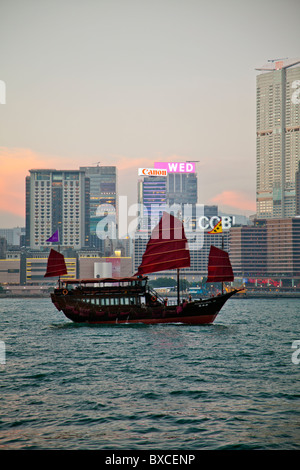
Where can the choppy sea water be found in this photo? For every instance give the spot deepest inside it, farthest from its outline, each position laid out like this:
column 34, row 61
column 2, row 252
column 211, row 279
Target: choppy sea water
column 230, row 385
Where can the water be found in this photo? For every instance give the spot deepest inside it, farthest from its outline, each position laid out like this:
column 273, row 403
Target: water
column 230, row 385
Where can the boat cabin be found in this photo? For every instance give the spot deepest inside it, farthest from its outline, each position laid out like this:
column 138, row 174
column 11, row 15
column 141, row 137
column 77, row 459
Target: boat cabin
column 110, row 291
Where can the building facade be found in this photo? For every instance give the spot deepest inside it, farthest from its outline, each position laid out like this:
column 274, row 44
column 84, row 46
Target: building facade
column 57, row 200
column 298, row 190
column 36, row 266
column 269, row 248
column 10, row 271
column 248, row 249
column 182, row 188
column 103, row 196
column 158, row 193
column 277, row 137
column 152, row 197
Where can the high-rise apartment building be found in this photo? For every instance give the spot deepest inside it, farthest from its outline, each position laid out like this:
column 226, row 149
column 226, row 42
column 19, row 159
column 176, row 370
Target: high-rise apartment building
column 57, row 200
column 278, row 137
column 298, row 190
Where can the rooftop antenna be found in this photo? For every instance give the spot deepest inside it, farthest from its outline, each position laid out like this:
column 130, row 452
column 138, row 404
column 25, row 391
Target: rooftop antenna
column 275, row 60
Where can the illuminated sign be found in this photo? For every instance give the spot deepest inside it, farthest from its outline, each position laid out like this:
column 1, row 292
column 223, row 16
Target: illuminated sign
column 205, row 223
column 152, row 172
column 176, row 167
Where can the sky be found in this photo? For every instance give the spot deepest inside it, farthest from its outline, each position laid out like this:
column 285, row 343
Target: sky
column 132, row 82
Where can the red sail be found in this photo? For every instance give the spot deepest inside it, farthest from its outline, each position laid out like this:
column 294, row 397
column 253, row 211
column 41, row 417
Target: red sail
column 167, row 247
column 56, row 264
column 219, row 266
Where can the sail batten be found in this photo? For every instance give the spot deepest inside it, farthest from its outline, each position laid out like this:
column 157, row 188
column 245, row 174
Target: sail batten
column 219, row 266
column 56, row 265
column 167, row 247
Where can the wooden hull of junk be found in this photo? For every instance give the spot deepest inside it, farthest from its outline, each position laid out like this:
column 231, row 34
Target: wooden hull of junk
column 84, row 306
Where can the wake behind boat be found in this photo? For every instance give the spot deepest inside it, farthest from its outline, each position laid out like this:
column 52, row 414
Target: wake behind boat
column 131, row 299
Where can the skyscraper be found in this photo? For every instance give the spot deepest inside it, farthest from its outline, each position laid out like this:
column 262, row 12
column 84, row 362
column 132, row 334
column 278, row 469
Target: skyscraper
column 158, row 193
column 182, row 188
column 277, row 137
column 57, row 200
column 152, row 196
column 103, row 197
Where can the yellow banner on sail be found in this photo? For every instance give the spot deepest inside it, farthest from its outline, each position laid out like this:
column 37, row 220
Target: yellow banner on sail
column 217, row 228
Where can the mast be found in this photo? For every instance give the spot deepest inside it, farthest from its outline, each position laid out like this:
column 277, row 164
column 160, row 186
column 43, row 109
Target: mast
column 167, row 249
column 218, row 229
column 178, row 288
column 59, row 258
column 222, row 249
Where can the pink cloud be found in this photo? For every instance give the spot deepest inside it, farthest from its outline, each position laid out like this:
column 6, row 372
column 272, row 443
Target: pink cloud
column 124, row 163
column 15, row 163
column 235, row 199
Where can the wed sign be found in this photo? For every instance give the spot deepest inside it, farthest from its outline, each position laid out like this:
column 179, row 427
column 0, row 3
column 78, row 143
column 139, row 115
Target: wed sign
column 176, row 167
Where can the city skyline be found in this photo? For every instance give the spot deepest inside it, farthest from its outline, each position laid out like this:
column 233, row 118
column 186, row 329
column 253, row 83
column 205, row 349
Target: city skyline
column 128, row 84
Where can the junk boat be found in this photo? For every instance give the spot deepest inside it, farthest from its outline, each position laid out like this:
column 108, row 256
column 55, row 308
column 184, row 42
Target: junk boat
column 131, row 299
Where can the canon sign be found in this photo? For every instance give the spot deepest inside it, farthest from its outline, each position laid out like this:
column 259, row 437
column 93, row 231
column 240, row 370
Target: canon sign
column 152, row 172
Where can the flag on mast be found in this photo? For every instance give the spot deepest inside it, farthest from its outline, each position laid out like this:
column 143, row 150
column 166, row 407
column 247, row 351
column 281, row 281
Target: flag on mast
column 54, row 238
column 217, row 228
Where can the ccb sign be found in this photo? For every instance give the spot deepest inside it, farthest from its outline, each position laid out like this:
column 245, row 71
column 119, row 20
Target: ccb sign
column 205, row 223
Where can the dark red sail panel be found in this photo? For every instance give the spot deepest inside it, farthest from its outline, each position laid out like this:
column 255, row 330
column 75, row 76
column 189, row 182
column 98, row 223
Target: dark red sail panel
column 167, row 247
column 219, row 266
column 56, row 265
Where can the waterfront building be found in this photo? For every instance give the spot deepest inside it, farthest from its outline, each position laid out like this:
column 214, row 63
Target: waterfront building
column 36, row 266
column 9, row 271
column 277, row 137
column 57, row 200
column 248, row 249
column 268, row 249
